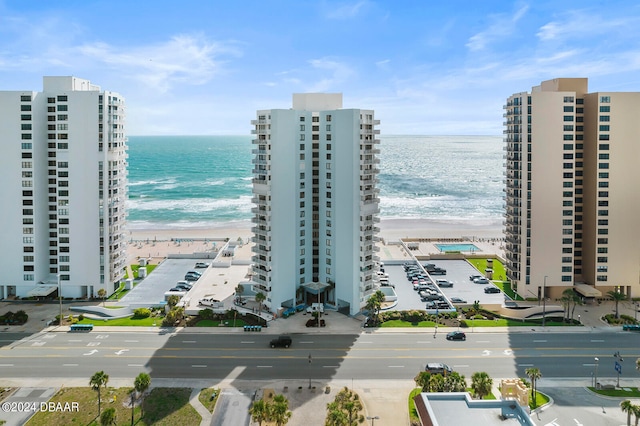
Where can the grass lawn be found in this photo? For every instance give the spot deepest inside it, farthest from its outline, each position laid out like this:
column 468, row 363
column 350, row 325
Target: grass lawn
column 413, row 413
column 502, row 322
column 213, row 323
column 208, row 397
column 128, row 322
column 499, row 274
column 163, row 406
column 618, row 393
column 541, row 399
column 486, row 397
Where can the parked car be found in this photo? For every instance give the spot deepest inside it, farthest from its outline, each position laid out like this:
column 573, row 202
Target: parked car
column 208, row 301
column 190, row 277
column 456, row 335
column 481, row 280
column 195, row 273
column 491, row 289
column 438, row 368
column 434, row 270
column 281, row 341
column 474, row 276
column 184, row 287
column 202, row 265
column 444, row 283
column 457, row 300
column 178, row 289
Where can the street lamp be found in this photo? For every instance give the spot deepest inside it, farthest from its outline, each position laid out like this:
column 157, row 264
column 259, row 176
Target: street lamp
column 544, row 300
column 618, row 366
column 372, row 419
column 309, row 371
column 60, row 299
column 595, row 376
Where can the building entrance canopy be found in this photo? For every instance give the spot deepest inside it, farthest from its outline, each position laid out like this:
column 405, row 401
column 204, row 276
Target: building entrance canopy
column 315, row 288
column 587, row 290
column 42, row 290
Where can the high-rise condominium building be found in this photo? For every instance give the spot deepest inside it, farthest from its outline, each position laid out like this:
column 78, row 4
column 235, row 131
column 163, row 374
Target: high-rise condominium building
column 572, row 190
column 63, row 161
column 316, row 203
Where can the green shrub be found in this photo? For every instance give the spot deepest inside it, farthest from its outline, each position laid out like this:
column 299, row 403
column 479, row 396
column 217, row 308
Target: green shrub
column 141, row 313
column 463, row 324
column 80, row 317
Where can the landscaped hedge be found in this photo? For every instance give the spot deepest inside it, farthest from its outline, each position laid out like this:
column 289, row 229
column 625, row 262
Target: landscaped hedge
column 17, row 318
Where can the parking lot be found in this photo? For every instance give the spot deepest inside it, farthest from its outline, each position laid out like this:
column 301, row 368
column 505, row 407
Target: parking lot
column 458, row 272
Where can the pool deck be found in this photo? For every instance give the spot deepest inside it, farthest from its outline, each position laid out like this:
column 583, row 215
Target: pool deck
column 394, row 250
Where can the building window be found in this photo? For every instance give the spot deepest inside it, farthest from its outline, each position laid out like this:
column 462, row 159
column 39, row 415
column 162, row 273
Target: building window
column 63, row 108
column 568, row 108
column 566, row 278
column 605, row 99
column 301, row 119
column 604, row 128
column 601, row 278
column 604, row 108
column 302, row 127
column 567, row 137
column 568, row 118
column 568, row 99
column 604, row 118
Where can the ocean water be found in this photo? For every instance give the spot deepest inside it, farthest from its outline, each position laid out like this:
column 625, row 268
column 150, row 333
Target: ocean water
column 197, row 181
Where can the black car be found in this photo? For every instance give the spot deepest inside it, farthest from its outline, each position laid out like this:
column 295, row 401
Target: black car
column 438, row 368
column 491, row 289
column 456, row 335
column 281, row 341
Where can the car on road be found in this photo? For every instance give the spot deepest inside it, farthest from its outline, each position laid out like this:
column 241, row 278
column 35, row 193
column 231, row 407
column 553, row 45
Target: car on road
column 438, row 368
column 457, row 300
column 474, row 276
column 281, row 341
column 444, row 283
column 481, row 280
column 202, row 265
column 491, row 289
column 456, row 335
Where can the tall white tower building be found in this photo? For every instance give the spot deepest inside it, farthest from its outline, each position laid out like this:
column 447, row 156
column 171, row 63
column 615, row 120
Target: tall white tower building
column 64, row 167
column 572, row 202
column 316, row 203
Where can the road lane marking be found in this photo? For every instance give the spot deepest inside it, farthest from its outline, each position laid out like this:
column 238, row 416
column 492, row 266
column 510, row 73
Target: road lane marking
column 597, row 341
column 131, row 341
column 588, row 365
column 396, row 366
column 6, row 365
column 75, row 340
column 188, row 341
column 264, row 366
column 134, row 365
column 121, row 351
column 539, row 341
column 306, row 342
column 423, row 341
column 91, row 352
column 69, row 365
column 247, row 342
column 461, row 365
column 198, row 366
column 525, row 365
column 330, row 366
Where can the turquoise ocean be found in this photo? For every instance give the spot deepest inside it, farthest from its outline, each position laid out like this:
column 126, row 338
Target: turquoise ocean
column 205, row 181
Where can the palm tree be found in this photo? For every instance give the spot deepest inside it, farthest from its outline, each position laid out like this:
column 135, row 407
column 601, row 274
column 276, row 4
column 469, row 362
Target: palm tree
column 98, row 380
column 436, row 383
column 636, row 413
column 638, row 364
column 102, row 293
column 454, row 382
column 567, row 299
column 422, row 380
column 260, row 297
column 132, row 395
column 345, row 410
column 534, row 374
column 108, row 417
column 616, row 296
column 141, row 384
column 481, row 384
column 279, row 412
column 239, row 291
column 374, row 303
column 627, row 407
column 259, row 411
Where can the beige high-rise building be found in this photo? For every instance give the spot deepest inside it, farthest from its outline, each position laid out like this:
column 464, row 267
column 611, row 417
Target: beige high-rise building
column 572, row 199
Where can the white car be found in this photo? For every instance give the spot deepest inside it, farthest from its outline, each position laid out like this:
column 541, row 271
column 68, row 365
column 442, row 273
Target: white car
column 202, row 265
column 481, row 280
column 209, row 301
column 315, row 307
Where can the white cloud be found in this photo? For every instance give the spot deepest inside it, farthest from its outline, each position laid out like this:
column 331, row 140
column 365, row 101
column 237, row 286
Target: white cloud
column 346, row 11
column 339, row 73
column 502, row 26
column 182, row 59
column 586, row 24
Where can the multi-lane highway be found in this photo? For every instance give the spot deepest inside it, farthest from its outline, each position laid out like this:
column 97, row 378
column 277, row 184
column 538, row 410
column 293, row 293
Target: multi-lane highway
column 245, row 356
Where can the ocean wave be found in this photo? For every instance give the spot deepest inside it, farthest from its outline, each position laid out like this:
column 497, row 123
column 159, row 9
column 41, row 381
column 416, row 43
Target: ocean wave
column 192, row 205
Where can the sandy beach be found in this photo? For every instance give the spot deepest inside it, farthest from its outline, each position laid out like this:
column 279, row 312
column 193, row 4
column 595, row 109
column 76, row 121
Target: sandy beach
column 158, row 243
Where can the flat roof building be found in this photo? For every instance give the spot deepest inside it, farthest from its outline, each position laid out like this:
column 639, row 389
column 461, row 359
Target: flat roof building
column 64, row 168
column 572, row 198
column 316, row 203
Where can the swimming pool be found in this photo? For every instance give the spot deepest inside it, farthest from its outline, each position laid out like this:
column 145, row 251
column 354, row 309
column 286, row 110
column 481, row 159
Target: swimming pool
column 457, row 247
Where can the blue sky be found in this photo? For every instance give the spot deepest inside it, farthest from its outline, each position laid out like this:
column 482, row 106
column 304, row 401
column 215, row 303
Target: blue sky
column 426, row 67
